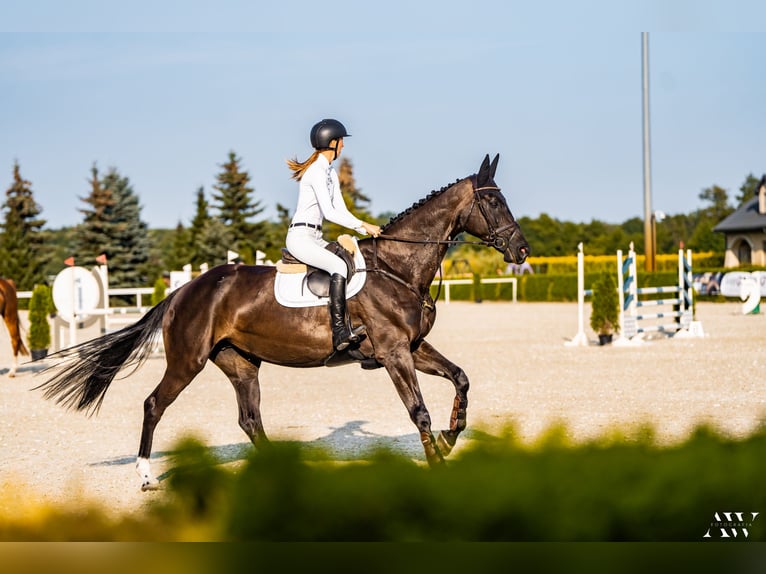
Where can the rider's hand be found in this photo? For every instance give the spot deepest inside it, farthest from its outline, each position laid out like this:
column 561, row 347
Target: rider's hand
column 371, row 228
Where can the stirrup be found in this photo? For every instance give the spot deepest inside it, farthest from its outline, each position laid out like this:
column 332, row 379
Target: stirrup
column 351, row 337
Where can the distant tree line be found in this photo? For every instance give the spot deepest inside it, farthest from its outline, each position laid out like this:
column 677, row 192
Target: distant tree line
column 228, row 219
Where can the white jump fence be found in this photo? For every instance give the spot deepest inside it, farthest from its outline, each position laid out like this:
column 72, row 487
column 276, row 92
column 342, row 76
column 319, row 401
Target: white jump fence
column 678, row 307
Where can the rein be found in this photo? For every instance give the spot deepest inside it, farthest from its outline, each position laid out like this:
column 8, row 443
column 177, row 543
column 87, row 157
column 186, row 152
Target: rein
column 494, row 241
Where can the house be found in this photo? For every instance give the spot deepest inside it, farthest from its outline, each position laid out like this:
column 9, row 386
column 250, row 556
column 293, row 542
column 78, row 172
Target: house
column 745, row 231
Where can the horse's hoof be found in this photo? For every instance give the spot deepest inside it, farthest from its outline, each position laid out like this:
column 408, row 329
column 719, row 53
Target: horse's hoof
column 443, row 444
column 150, row 485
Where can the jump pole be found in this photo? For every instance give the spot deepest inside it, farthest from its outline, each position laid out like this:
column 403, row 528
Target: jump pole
column 580, row 339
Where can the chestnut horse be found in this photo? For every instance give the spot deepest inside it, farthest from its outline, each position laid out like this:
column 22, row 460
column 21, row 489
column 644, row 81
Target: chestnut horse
column 9, row 309
column 229, row 315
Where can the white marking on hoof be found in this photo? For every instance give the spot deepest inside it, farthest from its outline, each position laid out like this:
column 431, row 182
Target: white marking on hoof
column 144, row 470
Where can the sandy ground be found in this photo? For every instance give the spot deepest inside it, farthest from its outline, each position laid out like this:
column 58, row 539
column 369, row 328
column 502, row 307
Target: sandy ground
column 514, row 355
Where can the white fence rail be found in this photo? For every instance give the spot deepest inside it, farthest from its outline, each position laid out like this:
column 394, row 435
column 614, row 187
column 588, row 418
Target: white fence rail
column 111, row 318
column 447, row 283
column 137, row 292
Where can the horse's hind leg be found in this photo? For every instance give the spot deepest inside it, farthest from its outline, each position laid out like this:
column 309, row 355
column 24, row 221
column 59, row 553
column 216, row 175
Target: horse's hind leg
column 243, row 374
column 430, row 361
column 173, row 382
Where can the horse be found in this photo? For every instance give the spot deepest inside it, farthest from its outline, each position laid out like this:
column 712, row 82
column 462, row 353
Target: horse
column 229, row 316
column 9, row 309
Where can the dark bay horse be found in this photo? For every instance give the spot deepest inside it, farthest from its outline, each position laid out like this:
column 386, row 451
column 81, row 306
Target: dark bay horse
column 9, row 309
column 229, row 315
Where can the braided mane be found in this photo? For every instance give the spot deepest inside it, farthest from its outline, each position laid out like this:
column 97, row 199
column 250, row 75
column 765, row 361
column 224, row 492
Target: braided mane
column 418, row 204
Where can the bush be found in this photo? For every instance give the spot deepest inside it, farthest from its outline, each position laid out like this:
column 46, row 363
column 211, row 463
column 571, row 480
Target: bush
column 40, row 306
column 495, row 490
column 605, row 313
column 627, row 488
column 159, row 291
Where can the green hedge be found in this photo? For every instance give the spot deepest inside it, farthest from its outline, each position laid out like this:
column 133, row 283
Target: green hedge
column 617, row 487
column 498, row 489
column 545, row 287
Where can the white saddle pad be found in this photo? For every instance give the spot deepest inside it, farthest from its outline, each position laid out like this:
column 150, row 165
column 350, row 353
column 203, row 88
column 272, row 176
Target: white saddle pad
column 290, row 289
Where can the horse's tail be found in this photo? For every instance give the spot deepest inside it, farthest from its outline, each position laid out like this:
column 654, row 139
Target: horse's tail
column 82, row 384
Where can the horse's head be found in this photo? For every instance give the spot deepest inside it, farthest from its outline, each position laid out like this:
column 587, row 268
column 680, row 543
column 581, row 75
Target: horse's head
column 490, row 219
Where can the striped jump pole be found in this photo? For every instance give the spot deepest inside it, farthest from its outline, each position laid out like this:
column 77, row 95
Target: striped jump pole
column 630, row 301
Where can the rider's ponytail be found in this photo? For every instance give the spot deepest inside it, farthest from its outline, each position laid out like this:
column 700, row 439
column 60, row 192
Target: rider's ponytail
column 299, row 168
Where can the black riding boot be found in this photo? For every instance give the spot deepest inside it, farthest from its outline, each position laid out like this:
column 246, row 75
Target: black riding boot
column 342, row 333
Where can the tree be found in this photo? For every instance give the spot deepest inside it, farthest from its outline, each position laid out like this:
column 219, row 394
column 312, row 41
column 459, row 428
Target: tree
column 129, row 267
column 213, row 239
column 95, row 233
column 180, row 251
column 275, row 233
column 703, row 237
column 112, row 225
column 197, row 250
column 748, row 189
column 236, row 208
column 21, row 244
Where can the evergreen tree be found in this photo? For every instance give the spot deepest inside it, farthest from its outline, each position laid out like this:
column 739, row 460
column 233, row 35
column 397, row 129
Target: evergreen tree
column 276, row 233
column 211, row 247
column 95, row 233
column 197, row 251
column 21, row 244
column 112, row 225
column 236, row 208
column 180, row 253
column 130, row 267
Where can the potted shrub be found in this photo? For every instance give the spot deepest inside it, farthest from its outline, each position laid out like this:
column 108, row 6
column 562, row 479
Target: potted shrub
column 159, row 291
column 605, row 308
column 40, row 306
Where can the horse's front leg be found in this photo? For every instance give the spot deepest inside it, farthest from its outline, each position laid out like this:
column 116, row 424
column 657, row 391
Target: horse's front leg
column 401, row 368
column 430, row 361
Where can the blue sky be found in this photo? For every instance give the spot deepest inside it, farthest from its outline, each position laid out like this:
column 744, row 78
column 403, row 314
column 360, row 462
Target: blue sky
column 164, row 91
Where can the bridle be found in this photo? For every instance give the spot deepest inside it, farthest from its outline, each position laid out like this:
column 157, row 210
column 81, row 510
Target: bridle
column 494, row 239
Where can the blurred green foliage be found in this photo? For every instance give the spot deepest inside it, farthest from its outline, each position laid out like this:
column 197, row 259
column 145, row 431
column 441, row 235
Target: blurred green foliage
column 620, row 487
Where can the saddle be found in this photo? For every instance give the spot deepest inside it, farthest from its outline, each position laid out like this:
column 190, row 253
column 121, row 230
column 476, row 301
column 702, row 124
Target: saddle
column 317, row 280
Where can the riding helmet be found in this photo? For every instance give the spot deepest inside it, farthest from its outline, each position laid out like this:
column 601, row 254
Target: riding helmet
column 325, row 131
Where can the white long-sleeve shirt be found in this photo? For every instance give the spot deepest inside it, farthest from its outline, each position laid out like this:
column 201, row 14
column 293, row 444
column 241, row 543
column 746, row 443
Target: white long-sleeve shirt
column 319, row 198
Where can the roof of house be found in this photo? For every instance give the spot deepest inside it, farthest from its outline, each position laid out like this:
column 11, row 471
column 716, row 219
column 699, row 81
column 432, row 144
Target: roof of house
column 745, row 218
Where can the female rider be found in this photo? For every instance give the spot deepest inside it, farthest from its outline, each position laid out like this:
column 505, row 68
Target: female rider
column 320, row 198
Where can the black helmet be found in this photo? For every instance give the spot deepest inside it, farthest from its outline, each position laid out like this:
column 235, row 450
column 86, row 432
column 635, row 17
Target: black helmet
column 325, row 131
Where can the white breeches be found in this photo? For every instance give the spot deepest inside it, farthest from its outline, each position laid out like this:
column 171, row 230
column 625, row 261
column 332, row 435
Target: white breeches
column 308, row 246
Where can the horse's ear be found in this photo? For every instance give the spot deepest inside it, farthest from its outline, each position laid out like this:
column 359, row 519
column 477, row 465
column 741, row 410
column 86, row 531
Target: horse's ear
column 483, row 177
column 493, row 167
